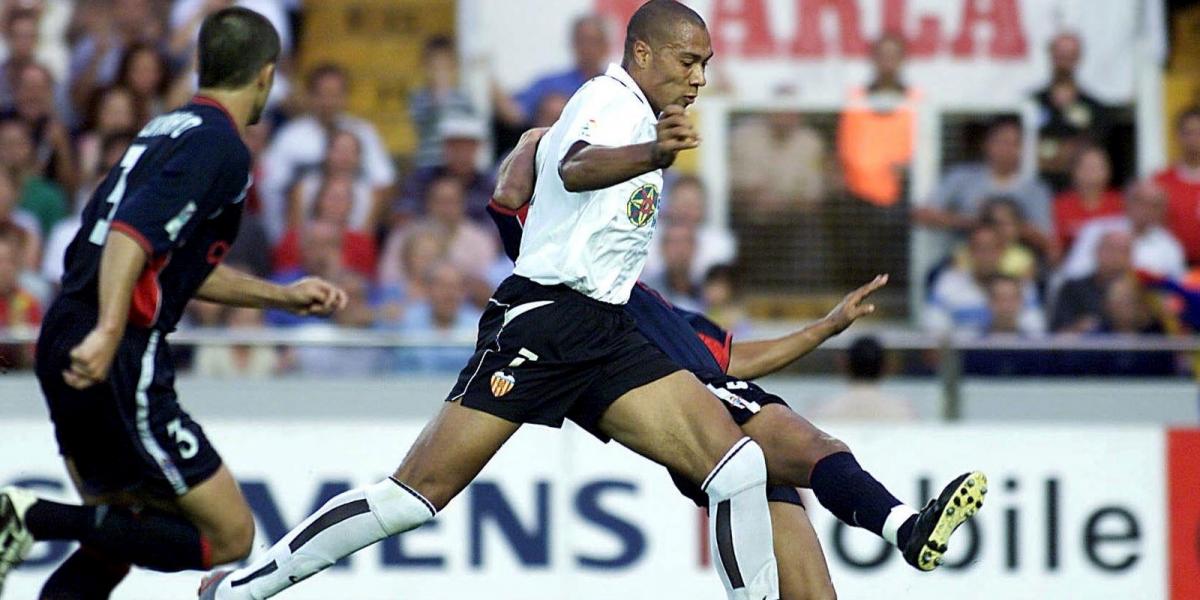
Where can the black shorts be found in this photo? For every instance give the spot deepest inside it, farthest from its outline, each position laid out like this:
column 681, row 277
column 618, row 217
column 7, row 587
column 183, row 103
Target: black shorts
column 549, row 353
column 127, row 433
column 743, row 400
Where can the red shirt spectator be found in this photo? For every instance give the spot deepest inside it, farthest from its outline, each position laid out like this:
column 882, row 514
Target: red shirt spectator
column 332, row 207
column 18, row 308
column 358, row 252
column 1089, row 196
column 1072, row 212
column 1181, row 182
column 1183, row 206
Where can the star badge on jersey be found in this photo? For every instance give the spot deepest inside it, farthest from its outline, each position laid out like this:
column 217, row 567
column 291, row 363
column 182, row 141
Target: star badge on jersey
column 642, row 205
column 502, row 383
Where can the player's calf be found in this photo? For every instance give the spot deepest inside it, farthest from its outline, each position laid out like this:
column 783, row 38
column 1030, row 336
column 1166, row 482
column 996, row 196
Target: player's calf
column 800, row 454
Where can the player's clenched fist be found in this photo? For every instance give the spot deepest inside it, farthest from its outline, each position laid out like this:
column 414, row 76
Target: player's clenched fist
column 91, row 359
column 675, row 133
column 315, row 296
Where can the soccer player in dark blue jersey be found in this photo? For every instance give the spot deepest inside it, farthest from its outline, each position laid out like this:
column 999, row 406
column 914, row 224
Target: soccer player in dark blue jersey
column 152, row 238
column 798, row 453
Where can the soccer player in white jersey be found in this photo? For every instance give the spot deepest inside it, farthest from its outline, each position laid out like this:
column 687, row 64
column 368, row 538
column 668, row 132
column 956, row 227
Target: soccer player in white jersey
column 555, row 342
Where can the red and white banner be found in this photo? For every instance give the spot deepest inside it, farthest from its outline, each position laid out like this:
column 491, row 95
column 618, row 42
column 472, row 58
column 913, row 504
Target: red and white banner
column 1073, row 512
column 992, row 51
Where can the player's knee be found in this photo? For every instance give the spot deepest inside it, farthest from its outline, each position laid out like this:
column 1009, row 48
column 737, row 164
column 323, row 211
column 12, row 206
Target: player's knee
column 233, row 541
column 826, row 444
column 430, row 485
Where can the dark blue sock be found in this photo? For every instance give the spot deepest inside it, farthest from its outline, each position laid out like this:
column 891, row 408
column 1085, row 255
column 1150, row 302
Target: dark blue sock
column 853, row 495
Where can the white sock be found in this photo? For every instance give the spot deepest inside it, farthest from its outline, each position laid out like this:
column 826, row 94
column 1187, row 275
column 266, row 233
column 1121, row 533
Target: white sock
column 895, row 519
column 740, row 524
column 347, row 523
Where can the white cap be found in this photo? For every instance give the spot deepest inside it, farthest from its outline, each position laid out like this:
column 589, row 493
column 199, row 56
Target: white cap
column 462, row 127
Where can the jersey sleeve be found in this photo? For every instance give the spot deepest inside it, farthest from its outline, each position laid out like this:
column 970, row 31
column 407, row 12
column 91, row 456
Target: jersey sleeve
column 511, row 224
column 602, row 118
column 202, row 174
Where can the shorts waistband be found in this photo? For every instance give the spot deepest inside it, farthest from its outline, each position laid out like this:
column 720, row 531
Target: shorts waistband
column 565, row 292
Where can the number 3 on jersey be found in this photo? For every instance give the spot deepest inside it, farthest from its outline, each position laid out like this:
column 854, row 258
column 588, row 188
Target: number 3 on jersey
column 132, row 156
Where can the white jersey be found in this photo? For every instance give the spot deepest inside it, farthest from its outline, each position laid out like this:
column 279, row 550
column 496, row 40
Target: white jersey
column 593, row 242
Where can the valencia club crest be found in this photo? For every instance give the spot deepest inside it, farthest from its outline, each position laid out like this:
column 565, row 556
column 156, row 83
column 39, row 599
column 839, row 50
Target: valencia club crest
column 502, row 383
column 642, row 205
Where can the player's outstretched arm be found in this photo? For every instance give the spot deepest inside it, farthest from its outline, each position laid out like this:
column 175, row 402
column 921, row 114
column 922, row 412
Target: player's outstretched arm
column 309, row 296
column 587, row 167
column 750, row 360
column 121, row 263
column 518, row 171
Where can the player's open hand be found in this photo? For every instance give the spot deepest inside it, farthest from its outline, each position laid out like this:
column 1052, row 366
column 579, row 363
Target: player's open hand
column 314, row 296
column 675, row 134
column 91, row 359
column 854, row 305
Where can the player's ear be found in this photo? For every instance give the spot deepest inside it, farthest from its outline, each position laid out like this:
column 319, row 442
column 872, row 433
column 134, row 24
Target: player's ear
column 266, row 76
column 642, row 54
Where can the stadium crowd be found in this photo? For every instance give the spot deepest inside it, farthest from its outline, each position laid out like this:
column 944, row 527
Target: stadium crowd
column 1025, row 255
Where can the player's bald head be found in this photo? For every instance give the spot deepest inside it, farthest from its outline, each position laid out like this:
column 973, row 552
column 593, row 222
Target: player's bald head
column 659, row 22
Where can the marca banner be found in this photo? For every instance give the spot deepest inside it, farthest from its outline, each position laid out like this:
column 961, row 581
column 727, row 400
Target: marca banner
column 1073, row 512
column 994, row 51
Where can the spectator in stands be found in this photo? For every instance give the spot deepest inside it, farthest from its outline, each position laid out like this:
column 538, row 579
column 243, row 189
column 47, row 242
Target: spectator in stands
column 15, row 219
column 589, row 41
column 21, row 39
column 145, row 73
column 333, row 206
column 685, row 202
column 300, row 145
column 343, row 161
column 40, row 198
column 1068, row 117
column 320, row 255
column 406, row 259
column 865, row 364
column 721, row 300
column 1007, row 312
column 445, row 315
column 112, row 149
column 1126, row 311
column 1182, row 185
column 1154, row 248
column 19, row 309
column 33, row 103
column 238, row 361
column 109, row 32
column 462, row 139
column 875, row 144
column 956, row 201
column 676, row 282
column 876, row 129
column 1090, row 196
column 465, row 244
column 111, row 112
column 777, row 163
column 958, row 300
column 1003, row 215
column 1079, row 306
column 441, row 98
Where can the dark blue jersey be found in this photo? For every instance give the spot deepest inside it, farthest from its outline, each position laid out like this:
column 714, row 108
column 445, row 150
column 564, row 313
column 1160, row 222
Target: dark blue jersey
column 689, row 339
column 178, row 191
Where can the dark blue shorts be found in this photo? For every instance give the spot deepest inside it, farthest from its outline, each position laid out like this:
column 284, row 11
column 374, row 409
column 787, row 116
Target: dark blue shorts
column 127, row 433
column 743, row 400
